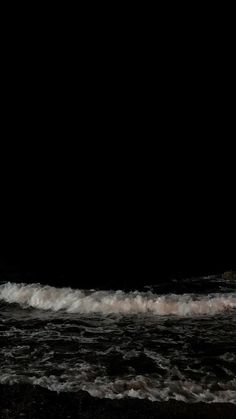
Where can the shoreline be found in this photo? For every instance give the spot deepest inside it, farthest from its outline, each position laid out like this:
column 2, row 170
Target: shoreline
column 29, row 401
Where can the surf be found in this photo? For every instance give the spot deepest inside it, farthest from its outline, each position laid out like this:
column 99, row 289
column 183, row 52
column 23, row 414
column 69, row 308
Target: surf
column 43, row 297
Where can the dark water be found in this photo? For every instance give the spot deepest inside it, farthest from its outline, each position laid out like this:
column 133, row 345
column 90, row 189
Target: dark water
column 175, row 340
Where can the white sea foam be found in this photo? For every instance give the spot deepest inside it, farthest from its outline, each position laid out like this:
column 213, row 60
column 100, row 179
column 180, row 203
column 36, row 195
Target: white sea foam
column 108, row 302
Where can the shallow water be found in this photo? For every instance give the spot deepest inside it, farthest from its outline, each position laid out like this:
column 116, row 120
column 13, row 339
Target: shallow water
column 167, row 341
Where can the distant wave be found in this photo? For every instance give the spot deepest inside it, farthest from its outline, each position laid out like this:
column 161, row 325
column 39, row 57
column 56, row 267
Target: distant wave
column 108, row 302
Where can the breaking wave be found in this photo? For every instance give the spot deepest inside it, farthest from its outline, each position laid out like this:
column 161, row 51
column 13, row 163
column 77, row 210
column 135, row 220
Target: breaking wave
column 117, row 302
column 139, row 387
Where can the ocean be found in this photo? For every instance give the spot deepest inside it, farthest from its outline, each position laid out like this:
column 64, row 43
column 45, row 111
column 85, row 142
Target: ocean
column 173, row 340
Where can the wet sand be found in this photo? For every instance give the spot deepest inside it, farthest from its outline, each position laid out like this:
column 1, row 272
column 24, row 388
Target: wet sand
column 34, row 402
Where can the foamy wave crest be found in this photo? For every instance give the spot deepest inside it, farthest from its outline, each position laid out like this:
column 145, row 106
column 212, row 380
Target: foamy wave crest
column 139, row 387
column 107, row 302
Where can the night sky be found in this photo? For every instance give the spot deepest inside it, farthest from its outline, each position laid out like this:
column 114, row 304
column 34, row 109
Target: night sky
column 115, row 227
column 123, row 174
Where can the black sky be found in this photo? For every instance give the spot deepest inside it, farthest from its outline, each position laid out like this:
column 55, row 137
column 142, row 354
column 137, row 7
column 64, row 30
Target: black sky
column 116, row 224
column 117, row 162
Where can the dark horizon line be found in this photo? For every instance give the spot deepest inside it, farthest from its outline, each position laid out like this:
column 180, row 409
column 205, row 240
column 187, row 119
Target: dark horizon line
column 99, row 274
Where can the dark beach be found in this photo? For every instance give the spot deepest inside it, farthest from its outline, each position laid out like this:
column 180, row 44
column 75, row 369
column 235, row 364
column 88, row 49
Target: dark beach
column 34, row 402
